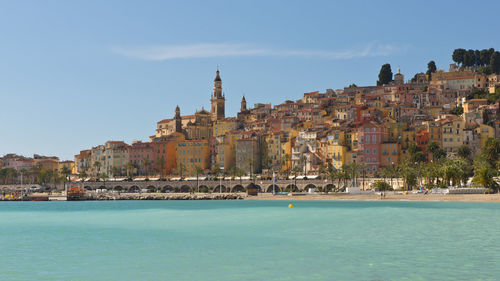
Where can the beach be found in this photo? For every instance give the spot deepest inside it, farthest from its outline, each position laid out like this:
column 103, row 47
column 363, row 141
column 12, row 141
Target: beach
column 377, row 197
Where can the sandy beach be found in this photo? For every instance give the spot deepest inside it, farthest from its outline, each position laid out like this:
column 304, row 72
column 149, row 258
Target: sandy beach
column 388, row 197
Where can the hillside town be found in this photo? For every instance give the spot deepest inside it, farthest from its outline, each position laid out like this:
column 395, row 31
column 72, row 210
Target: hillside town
column 441, row 114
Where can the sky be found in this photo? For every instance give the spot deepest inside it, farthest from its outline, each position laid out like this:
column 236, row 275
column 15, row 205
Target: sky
column 75, row 74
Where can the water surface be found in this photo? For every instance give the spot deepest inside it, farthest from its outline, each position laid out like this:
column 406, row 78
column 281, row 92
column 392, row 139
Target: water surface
column 249, row 240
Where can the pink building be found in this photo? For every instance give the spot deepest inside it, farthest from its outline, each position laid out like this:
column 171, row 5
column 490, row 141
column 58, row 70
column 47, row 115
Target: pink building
column 141, row 153
column 370, row 136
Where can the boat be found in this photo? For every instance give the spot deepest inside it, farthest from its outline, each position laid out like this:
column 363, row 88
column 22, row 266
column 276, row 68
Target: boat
column 75, row 193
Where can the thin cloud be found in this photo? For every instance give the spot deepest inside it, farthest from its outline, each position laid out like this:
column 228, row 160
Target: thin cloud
column 169, row 52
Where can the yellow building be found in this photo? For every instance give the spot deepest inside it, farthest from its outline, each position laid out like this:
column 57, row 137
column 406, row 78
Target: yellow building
column 485, row 132
column 225, row 153
column 278, row 146
column 68, row 164
column 452, row 133
column 222, row 127
column 389, row 154
column 192, row 154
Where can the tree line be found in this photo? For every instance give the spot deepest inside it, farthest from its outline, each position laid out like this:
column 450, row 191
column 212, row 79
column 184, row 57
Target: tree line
column 488, row 59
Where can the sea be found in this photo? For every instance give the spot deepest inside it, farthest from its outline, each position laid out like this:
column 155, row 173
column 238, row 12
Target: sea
column 249, row 240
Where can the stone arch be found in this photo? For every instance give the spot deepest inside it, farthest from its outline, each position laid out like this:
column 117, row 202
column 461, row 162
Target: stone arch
column 167, row 188
column 329, row 187
column 276, row 188
column 151, row 188
column 238, row 188
column 87, row 187
column 185, row 189
column 204, row 188
column 217, row 188
column 102, row 187
column 259, row 189
column 309, row 186
column 291, row 188
column 134, row 188
column 118, row 188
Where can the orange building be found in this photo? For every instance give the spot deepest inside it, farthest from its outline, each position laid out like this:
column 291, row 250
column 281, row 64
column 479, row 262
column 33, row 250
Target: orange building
column 192, row 154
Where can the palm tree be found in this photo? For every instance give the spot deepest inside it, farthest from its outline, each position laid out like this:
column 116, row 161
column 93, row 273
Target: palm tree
column 198, row 170
column 483, row 172
column 240, row 173
column 130, row 169
column 65, row 171
column 115, row 171
column 104, row 177
column 161, row 165
column 147, row 164
column 23, row 172
column 35, row 171
column 296, row 170
column 362, row 169
column 332, row 175
column 182, row 168
column 303, row 162
column 83, row 175
column 97, row 167
column 491, row 150
column 284, row 162
column 324, row 171
column 216, row 170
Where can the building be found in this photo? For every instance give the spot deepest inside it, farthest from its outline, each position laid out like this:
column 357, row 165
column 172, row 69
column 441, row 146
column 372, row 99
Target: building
column 192, row 154
column 248, row 155
column 218, row 100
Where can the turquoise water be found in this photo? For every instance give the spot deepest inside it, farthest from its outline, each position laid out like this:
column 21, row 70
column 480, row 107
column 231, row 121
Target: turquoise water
column 249, row 240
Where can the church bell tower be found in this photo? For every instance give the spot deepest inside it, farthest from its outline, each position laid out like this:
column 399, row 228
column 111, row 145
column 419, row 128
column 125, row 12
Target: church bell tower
column 218, row 100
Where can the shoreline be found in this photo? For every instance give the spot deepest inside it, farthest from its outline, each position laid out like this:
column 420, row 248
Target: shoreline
column 389, row 197
column 266, row 196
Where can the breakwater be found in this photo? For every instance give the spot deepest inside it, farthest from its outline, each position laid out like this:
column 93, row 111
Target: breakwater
column 128, row 196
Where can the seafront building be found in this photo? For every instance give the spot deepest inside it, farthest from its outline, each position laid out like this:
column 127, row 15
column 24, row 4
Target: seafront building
column 372, row 126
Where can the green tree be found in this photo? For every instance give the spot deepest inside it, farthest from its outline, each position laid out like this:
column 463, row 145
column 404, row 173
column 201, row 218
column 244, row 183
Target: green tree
column 381, row 186
column 385, row 75
column 484, row 57
column 97, row 167
column 491, row 150
column 130, row 169
column 83, row 175
column 495, row 62
column 115, row 171
column 484, row 173
column 147, row 164
column 458, row 56
column 65, row 171
column 24, row 176
column 104, row 177
column 469, row 58
column 198, row 170
column 295, row 172
column 457, row 111
column 161, row 166
column 464, row 152
column 431, row 68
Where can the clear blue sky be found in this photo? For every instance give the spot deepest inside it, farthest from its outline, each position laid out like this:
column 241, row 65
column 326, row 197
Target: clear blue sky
column 74, row 74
